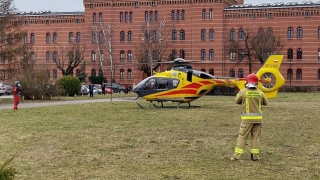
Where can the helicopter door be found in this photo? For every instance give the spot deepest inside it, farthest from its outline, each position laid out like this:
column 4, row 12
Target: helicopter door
column 189, row 76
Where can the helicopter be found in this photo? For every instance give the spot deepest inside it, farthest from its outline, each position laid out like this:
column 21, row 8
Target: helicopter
column 183, row 84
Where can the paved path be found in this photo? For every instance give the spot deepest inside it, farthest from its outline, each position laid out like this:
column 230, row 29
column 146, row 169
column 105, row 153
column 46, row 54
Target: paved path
column 56, row 103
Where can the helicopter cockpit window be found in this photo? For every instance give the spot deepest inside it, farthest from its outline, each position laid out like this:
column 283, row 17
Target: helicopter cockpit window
column 162, row 84
column 175, row 83
column 150, row 84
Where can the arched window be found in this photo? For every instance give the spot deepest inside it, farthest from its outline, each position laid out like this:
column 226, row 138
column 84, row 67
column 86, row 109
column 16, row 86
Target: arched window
column 289, row 75
column 211, row 54
column 260, row 32
column 203, row 54
column 126, row 17
column 100, row 16
column 55, row 37
column 130, row 36
column 93, row 72
column 240, row 73
column 290, row 33
column 241, row 34
column 299, row 53
column 299, row 74
column 174, row 54
column 55, row 56
column 32, row 38
column 78, row 73
column 172, row 15
column 270, row 32
column 203, row 70
column 121, row 74
column 93, row 36
column 94, row 17
column 299, row 32
column 318, row 74
column 146, row 16
column 203, row 13
column 130, row 16
column 211, row 34
column 122, row 36
column 78, row 38
column 48, row 55
column 122, row 55
column 93, row 56
column 48, row 38
column 290, row 54
column 54, row 74
column 182, row 35
column 203, row 34
column 129, row 55
column 319, row 54
column 101, row 56
column 101, row 37
column 121, row 16
column 25, row 37
column 150, row 16
column 210, row 13
column 174, row 35
column 318, row 32
column 156, row 16
column 211, row 71
column 183, row 15
column 232, row 34
column 129, row 75
column 71, row 37
column 100, row 72
column 232, row 73
column 182, row 54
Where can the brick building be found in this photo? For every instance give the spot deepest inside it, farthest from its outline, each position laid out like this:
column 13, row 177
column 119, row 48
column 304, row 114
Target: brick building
column 202, row 29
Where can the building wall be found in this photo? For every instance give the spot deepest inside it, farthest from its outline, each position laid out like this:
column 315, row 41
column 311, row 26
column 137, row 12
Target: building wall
column 227, row 14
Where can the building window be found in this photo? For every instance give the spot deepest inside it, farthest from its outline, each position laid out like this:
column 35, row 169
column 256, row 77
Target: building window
column 130, row 16
column 174, row 54
column 318, row 74
column 129, row 55
column 240, row 73
column 290, row 33
column 183, row 15
column 71, row 37
column 203, row 13
column 203, row 70
column 211, row 34
column 126, row 17
column 182, row 35
column 240, row 34
column 122, row 55
column 203, row 54
column 25, row 38
column 55, row 37
column 122, row 36
column 93, row 56
column 48, row 55
column 150, row 16
column 211, row 71
column 182, row 54
column 260, row 32
column 100, row 72
column 289, row 74
column 93, row 36
column 270, row 15
column 232, row 73
column 93, row 72
column 78, row 73
column 318, row 32
column 54, row 74
column 55, row 56
column 299, row 74
column 299, row 33
column 210, row 13
column 101, row 37
column 156, row 16
column 178, row 15
column 94, row 17
column 101, row 56
column 130, row 36
column 232, row 34
column 174, row 35
column 129, row 74
column 78, row 38
column 32, row 38
column 33, row 56
column 203, row 34
column 48, row 38
column 290, row 54
column 121, row 74
column 121, row 16
column 100, row 17
column 232, row 54
column 319, row 54
column 172, row 15
column 211, row 54
column 270, row 32
column 299, row 53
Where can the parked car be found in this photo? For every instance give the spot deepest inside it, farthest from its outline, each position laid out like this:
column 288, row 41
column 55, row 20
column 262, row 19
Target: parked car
column 108, row 90
column 95, row 90
column 115, row 87
column 2, row 89
column 84, row 90
column 8, row 90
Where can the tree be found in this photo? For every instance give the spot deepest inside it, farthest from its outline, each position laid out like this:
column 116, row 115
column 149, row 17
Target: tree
column 254, row 46
column 13, row 45
column 70, row 57
column 153, row 45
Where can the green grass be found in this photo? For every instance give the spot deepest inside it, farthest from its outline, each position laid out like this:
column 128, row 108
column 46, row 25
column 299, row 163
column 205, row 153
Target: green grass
column 119, row 141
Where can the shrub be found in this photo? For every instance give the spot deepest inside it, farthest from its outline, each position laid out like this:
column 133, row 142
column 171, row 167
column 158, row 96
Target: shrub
column 70, row 84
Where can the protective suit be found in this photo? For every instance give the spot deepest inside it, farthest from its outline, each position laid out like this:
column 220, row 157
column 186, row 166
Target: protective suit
column 16, row 94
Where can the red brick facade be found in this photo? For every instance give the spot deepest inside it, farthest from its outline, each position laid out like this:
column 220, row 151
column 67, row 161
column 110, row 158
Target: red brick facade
column 220, row 16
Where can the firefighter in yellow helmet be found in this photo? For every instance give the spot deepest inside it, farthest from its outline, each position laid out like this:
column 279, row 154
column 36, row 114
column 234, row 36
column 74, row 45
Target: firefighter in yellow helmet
column 251, row 98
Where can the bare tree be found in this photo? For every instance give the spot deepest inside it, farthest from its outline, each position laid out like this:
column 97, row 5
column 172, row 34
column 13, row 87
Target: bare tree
column 70, row 57
column 13, row 45
column 254, row 46
column 153, row 45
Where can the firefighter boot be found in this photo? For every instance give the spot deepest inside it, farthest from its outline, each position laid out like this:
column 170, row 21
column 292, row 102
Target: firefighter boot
column 255, row 157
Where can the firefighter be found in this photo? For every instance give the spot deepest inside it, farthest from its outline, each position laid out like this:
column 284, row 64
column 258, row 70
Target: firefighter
column 16, row 94
column 251, row 99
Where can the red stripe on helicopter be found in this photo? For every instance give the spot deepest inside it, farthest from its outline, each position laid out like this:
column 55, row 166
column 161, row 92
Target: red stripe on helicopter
column 193, row 86
column 206, row 82
column 182, row 91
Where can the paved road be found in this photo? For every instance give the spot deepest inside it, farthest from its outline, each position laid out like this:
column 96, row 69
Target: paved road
column 56, row 103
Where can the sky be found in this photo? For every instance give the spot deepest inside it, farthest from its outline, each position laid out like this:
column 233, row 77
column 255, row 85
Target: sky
column 76, row 5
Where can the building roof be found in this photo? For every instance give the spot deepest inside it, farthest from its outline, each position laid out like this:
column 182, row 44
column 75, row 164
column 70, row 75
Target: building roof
column 274, row 5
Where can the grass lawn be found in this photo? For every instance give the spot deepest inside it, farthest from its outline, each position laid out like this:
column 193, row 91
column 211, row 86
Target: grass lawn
column 119, row 141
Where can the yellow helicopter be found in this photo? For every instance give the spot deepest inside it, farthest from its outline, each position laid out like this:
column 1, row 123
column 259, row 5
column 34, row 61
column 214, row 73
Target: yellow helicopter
column 183, row 84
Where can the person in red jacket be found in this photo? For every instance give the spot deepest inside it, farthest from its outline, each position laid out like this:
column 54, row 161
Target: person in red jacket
column 252, row 99
column 16, row 95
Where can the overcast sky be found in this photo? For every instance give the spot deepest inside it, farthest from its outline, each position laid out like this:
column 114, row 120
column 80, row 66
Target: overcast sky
column 76, row 5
